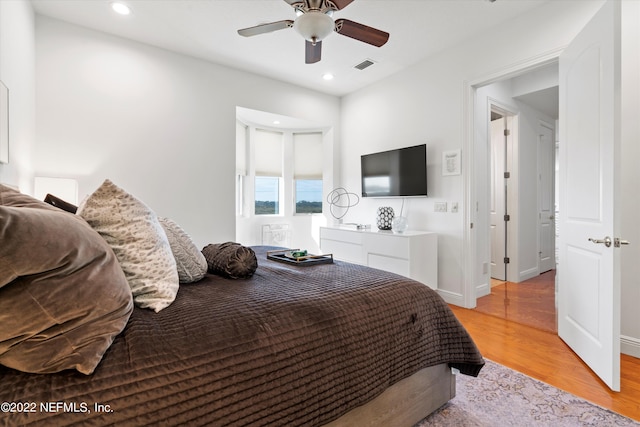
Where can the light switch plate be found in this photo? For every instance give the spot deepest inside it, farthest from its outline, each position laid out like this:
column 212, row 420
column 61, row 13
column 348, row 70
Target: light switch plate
column 440, row 207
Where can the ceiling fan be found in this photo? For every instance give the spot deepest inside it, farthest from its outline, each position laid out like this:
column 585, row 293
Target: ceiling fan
column 315, row 22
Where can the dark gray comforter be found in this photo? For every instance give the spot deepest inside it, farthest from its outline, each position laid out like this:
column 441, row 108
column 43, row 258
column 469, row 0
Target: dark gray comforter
column 291, row 346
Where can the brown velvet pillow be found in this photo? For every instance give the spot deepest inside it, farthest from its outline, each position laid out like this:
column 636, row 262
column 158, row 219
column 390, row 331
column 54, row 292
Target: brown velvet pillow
column 11, row 197
column 59, row 203
column 63, row 295
column 230, row 260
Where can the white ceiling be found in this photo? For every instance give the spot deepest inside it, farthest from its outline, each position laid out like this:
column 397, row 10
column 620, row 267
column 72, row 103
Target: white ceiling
column 207, row 29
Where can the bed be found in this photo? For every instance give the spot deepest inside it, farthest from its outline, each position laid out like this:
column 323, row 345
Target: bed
column 335, row 344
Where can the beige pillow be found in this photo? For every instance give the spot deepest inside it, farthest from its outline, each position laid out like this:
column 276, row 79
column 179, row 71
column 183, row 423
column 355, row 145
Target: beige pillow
column 134, row 233
column 63, row 295
column 191, row 264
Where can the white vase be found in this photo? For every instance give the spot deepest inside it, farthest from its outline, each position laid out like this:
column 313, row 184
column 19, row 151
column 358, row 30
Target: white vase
column 399, row 224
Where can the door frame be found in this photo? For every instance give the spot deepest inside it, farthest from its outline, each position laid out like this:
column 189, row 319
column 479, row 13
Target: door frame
column 511, row 156
column 473, row 276
column 552, row 172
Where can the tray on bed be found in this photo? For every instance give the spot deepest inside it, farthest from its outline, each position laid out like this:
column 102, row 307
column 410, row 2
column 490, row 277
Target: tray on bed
column 288, row 256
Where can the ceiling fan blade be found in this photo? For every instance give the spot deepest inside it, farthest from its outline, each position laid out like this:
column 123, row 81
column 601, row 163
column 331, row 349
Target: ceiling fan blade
column 361, row 32
column 312, row 53
column 341, row 4
column 265, row 28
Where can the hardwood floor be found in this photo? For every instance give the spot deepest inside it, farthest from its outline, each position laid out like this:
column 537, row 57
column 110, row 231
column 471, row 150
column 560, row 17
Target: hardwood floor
column 531, row 302
column 536, row 350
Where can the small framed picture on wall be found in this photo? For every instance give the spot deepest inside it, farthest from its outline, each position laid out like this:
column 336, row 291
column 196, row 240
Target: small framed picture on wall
column 4, row 124
column 451, row 163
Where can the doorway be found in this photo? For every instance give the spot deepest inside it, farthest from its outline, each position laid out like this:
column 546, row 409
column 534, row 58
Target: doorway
column 594, row 122
column 521, row 118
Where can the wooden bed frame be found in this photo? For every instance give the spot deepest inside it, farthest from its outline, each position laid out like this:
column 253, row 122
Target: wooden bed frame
column 405, row 403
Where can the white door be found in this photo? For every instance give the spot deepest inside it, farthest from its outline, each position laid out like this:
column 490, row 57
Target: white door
column 588, row 271
column 497, row 208
column 546, row 205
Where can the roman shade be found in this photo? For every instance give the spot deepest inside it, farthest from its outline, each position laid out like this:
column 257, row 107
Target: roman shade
column 307, row 155
column 268, row 153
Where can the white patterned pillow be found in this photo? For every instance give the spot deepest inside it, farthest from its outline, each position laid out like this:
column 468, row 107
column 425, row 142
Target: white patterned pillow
column 134, row 233
column 191, row 264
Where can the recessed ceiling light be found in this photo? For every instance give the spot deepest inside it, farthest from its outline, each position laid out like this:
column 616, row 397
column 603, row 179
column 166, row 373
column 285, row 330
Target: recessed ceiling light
column 276, row 122
column 121, row 8
column 328, row 76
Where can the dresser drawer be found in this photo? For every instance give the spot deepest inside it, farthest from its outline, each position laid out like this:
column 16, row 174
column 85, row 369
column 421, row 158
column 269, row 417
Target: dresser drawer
column 344, row 251
column 393, row 265
column 347, row 236
column 387, row 244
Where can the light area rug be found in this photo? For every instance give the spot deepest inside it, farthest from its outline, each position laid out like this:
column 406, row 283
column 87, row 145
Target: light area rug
column 501, row 397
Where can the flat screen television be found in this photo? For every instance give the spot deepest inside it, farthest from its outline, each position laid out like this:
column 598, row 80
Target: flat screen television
column 395, row 173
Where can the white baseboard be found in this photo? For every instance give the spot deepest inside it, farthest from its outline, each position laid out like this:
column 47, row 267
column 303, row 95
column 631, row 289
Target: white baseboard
column 528, row 274
column 630, row 346
column 483, row 290
column 452, row 297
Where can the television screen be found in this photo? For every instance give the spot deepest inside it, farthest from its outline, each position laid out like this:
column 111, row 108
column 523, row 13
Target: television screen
column 395, row 173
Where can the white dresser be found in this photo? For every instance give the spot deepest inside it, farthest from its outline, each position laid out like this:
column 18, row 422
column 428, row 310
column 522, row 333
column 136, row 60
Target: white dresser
column 412, row 254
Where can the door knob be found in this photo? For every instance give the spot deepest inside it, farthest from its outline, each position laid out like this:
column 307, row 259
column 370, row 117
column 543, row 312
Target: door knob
column 607, row 241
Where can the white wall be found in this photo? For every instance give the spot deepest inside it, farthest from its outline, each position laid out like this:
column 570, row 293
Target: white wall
column 630, row 158
column 159, row 124
column 432, row 99
column 17, row 62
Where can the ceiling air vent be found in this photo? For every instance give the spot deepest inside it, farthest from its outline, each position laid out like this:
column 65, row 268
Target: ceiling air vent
column 364, row 64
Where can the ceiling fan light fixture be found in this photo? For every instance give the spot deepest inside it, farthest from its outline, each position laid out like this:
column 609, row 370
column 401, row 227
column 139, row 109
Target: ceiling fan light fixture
column 314, row 26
